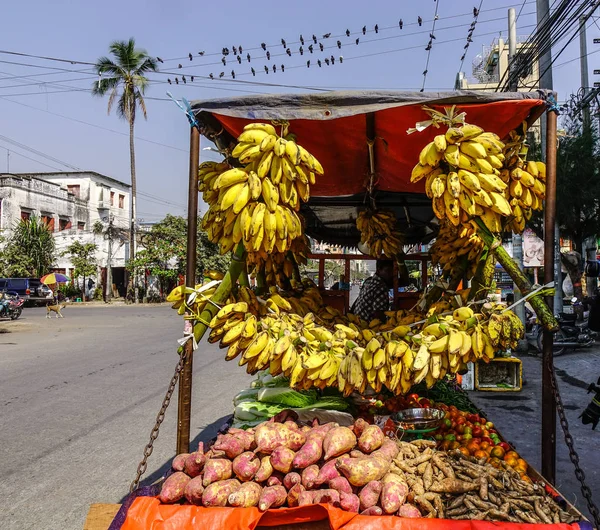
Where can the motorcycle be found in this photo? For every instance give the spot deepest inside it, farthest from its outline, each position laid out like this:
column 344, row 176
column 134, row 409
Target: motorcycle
column 571, row 334
column 11, row 306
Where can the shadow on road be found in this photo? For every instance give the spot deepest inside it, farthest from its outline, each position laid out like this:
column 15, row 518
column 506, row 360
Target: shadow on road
column 206, row 435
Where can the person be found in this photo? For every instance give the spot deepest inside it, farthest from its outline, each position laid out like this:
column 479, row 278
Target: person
column 374, row 299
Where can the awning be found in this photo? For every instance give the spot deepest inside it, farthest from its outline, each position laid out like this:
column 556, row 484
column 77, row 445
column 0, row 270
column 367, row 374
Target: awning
column 335, row 127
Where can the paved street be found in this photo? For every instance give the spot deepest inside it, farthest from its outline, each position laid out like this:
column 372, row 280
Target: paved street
column 80, row 395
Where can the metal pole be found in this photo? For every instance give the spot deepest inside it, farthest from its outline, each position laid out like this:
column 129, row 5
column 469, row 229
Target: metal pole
column 108, row 260
column 185, row 379
column 512, row 48
column 548, row 403
column 585, row 82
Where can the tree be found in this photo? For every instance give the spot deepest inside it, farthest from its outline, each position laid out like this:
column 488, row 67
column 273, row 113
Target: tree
column 14, row 263
column 577, row 192
column 83, row 258
column 125, row 79
column 165, row 252
column 30, row 251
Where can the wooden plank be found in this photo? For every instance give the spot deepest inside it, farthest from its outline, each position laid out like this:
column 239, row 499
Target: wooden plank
column 100, row 516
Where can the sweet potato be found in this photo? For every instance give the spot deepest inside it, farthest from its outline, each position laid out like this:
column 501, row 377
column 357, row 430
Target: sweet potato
column 310, row 453
column 455, row 486
column 327, row 496
column 389, row 450
column 216, row 469
column 328, row 472
column 229, row 444
column 179, row 462
column 193, row 491
column 276, row 479
column 369, row 495
column 306, row 498
column 291, row 424
column 393, row 493
column 246, row 496
column 282, row 459
column 355, row 453
column 409, row 510
column 246, row 438
column 217, row 493
column 360, row 471
column 340, row 484
column 269, row 436
column 294, row 494
column 195, row 461
column 349, row 502
column 309, row 476
column 359, row 426
column 265, row 470
column 338, row 441
column 272, row 497
column 291, row 479
column 173, row 488
column 371, row 439
column 322, row 430
column 245, row 466
column 373, row 510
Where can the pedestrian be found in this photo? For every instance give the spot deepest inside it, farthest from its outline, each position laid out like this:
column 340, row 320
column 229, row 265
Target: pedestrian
column 374, row 299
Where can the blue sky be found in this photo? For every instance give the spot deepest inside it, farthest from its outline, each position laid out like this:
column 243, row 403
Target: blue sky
column 34, row 100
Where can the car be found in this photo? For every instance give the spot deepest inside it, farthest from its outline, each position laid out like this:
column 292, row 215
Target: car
column 27, row 288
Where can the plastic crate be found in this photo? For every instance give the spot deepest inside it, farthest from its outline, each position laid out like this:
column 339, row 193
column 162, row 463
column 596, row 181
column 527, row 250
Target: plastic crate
column 504, row 371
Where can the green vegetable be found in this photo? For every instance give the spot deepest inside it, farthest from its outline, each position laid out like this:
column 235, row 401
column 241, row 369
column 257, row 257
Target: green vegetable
column 254, row 410
column 330, row 403
column 286, row 396
column 249, row 394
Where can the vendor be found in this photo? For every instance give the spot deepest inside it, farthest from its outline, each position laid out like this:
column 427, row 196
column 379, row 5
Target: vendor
column 374, row 298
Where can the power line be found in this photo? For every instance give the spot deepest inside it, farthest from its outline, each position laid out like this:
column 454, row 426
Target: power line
column 476, row 14
column 430, row 45
column 32, row 159
column 39, row 153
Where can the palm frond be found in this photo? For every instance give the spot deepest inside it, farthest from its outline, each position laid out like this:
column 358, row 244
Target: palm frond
column 105, row 65
column 106, row 84
column 142, row 104
column 149, row 64
column 111, row 99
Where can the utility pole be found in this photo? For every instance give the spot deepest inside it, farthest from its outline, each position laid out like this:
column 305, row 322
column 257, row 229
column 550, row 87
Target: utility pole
column 548, row 404
column 590, row 251
column 7, row 161
column 109, row 233
column 517, row 240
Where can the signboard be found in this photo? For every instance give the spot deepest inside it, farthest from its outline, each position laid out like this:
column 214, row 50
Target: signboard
column 533, row 249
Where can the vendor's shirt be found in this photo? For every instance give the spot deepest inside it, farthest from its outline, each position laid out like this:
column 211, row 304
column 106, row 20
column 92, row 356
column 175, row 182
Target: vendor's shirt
column 374, row 296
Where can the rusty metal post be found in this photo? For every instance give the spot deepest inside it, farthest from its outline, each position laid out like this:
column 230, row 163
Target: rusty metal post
column 184, row 402
column 322, row 273
column 548, row 403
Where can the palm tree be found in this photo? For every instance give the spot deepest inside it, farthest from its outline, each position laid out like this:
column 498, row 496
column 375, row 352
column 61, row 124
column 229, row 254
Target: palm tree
column 125, row 79
column 34, row 240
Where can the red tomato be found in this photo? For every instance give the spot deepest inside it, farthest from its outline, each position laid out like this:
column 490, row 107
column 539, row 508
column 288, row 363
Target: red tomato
column 505, row 446
column 461, row 420
column 476, row 432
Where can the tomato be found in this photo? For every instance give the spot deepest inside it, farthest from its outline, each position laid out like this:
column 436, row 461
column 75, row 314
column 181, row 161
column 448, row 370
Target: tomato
column 413, row 397
column 480, row 454
column 460, row 429
column 488, row 440
column 467, row 436
column 476, row 432
column 526, row 478
column 461, row 420
column 464, row 451
column 448, row 423
column 497, row 452
column 468, row 430
column 472, row 446
column 424, row 402
column 521, row 469
column 445, row 445
column 454, row 445
column 484, row 445
column 450, row 437
column 512, row 462
column 459, row 437
column 504, row 446
column 438, row 437
column 513, row 454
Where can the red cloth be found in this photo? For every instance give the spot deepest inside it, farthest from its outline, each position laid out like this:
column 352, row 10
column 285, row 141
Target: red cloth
column 341, row 145
column 146, row 513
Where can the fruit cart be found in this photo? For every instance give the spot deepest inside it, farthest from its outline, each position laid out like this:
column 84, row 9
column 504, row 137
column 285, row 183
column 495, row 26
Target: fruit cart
column 367, row 169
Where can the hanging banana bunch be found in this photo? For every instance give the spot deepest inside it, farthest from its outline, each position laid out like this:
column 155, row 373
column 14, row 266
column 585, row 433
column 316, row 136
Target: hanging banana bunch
column 378, row 231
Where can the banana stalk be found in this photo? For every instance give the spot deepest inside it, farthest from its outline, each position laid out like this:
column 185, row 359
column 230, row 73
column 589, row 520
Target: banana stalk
column 296, row 270
column 222, row 292
column 537, row 302
column 484, row 276
column 243, row 279
column 436, row 292
column 261, row 282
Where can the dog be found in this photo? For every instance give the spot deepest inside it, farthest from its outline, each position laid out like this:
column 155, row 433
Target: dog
column 56, row 308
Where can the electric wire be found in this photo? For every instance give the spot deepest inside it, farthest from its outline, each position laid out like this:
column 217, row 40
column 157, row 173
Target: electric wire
column 430, row 45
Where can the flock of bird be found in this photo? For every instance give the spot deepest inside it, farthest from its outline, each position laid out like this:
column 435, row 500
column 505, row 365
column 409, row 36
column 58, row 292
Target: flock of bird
column 237, row 51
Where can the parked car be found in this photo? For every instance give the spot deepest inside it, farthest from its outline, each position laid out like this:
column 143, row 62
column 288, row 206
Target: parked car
column 29, row 289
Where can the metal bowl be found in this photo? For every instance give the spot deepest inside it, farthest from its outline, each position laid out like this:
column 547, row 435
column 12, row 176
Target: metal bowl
column 418, row 419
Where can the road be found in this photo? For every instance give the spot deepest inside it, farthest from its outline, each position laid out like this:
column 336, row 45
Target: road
column 79, row 397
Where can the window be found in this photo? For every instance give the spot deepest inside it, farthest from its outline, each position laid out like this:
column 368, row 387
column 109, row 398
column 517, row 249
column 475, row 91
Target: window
column 75, row 189
column 48, row 220
column 25, row 215
column 64, row 224
column 121, row 200
column 112, row 198
column 80, row 225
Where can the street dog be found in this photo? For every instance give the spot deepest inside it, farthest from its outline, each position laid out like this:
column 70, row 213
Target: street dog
column 56, row 308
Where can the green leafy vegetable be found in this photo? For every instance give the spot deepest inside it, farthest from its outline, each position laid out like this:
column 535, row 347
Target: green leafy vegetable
column 287, row 396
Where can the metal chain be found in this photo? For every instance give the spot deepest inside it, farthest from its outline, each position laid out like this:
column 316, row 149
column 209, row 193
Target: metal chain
column 585, row 490
column 141, row 469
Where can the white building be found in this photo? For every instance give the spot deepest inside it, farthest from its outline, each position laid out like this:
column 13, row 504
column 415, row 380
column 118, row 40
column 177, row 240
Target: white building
column 76, row 206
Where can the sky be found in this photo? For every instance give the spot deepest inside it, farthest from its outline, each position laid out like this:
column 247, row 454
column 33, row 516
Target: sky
column 46, row 105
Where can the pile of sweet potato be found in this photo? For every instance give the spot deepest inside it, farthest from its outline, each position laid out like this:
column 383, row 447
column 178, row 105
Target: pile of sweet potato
column 286, row 464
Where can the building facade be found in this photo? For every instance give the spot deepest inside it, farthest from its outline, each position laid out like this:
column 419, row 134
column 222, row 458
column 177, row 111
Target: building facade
column 75, row 206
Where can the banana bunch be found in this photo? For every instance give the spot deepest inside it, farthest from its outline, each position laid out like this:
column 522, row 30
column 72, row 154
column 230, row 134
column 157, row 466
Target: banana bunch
column 504, row 329
column 526, row 181
column 289, row 169
column 378, row 231
column 193, row 300
column 462, row 171
column 452, row 243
